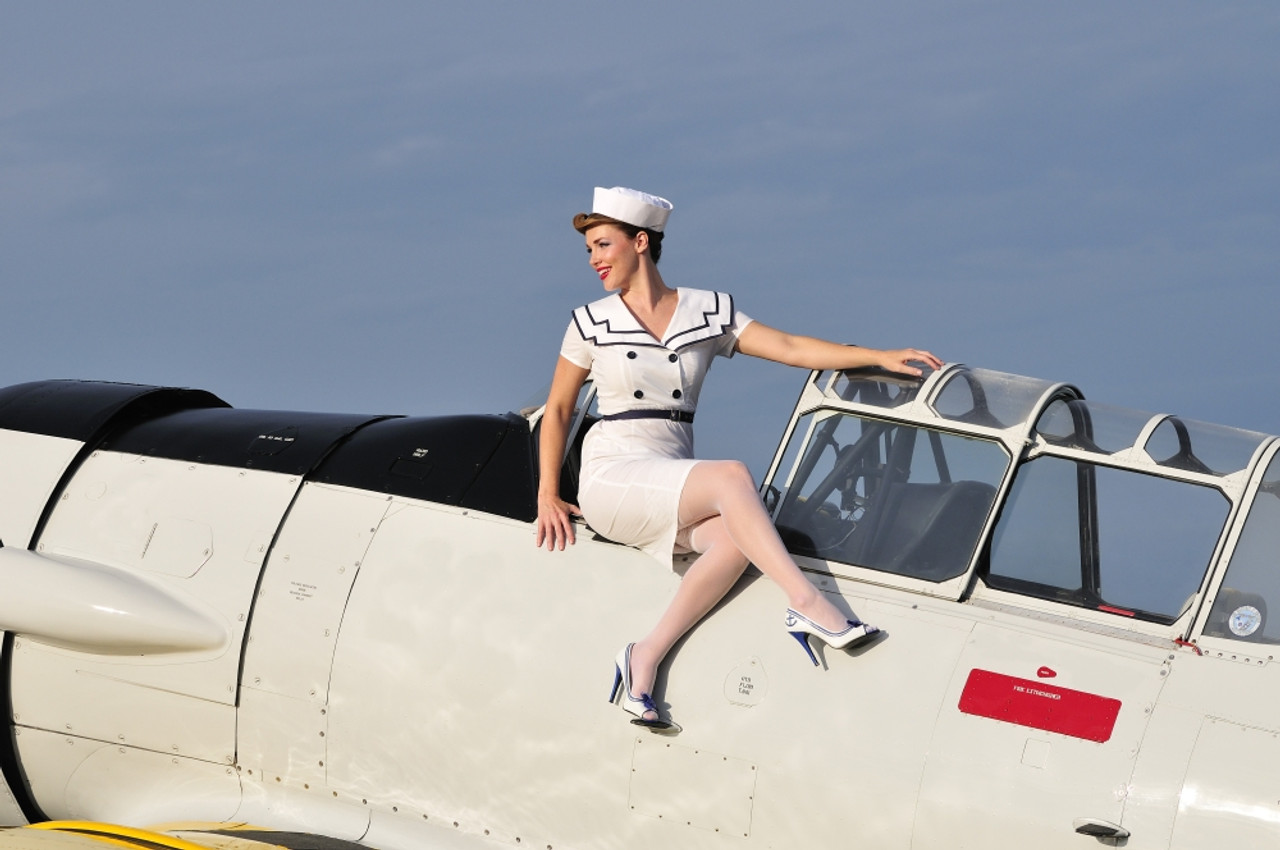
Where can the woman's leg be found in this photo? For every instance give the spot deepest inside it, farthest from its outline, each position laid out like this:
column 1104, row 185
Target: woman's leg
column 732, row 529
column 708, row 579
column 725, row 487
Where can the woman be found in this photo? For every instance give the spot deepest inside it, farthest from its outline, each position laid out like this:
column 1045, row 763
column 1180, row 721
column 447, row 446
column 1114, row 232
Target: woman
column 648, row 347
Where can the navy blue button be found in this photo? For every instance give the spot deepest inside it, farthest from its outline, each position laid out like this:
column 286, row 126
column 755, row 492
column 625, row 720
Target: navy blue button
column 638, row 394
column 673, row 357
column 631, row 355
column 675, row 394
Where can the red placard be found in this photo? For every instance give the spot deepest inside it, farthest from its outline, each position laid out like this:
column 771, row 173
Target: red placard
column 1026, row 702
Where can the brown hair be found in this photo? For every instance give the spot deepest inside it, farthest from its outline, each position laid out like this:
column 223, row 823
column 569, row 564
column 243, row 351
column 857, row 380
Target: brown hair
column 655, row 238
column 583, row 223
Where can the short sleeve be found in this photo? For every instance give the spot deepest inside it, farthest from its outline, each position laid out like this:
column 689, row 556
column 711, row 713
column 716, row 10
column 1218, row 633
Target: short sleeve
column 729, row 342
column 574, row 348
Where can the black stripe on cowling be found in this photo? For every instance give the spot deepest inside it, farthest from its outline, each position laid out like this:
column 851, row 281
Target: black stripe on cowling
column 472, row 461
column 14, row 774
column 270, row 440
column 82, row 410
column 88, row 412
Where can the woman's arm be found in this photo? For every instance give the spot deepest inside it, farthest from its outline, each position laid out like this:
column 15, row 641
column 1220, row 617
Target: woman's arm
column 554, row 525
column 811, row 353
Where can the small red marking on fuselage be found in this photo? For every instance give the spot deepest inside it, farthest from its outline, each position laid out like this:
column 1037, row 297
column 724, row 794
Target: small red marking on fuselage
column 1024, row 702
column 1046, row 673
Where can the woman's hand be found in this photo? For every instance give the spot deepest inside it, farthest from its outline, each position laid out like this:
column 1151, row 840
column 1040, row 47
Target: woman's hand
column 554, row 523
column 897, row 359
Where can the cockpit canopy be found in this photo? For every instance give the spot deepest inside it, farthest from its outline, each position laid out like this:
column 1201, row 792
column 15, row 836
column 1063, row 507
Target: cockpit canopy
column 1007, row 490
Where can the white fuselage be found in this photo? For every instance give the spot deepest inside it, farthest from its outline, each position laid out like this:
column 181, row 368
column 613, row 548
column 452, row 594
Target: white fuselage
column 410, row 673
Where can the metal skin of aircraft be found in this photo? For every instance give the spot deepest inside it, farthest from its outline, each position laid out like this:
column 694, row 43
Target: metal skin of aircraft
column 239, row 628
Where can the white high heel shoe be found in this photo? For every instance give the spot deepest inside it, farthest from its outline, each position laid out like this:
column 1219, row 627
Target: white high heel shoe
column 801, row 627
column 635, row 705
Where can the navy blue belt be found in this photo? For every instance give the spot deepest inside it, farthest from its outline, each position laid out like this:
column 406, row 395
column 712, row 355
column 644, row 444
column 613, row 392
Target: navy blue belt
column 673, row 415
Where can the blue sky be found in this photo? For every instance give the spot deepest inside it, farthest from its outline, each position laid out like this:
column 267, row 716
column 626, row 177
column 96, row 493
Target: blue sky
column 365, row 207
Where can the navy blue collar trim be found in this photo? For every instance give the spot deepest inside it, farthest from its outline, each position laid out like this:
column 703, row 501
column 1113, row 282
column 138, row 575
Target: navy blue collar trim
column 714, row 323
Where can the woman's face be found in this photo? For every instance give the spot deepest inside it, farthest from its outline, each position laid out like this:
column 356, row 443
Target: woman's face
column 614, row 256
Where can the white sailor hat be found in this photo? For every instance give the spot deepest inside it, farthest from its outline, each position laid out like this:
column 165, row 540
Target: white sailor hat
column 619, row 204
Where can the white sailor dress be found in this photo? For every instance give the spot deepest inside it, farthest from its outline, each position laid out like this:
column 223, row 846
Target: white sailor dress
column 636, row 459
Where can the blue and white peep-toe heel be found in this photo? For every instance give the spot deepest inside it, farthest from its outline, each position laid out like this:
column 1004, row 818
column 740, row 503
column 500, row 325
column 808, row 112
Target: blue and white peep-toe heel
column 801, row 627
column 635, row 705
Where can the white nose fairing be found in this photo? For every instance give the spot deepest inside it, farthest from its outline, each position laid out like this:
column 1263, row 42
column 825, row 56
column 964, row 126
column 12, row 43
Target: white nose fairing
column 88, row 607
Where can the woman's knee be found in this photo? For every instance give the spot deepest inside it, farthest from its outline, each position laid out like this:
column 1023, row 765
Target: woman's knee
column 708, row 486
column 734, row 473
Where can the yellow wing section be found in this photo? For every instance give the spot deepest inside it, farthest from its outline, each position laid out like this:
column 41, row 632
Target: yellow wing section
column 93, row 835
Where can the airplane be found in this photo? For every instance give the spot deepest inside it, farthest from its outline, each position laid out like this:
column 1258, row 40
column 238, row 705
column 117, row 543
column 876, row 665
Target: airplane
column 248, row 628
